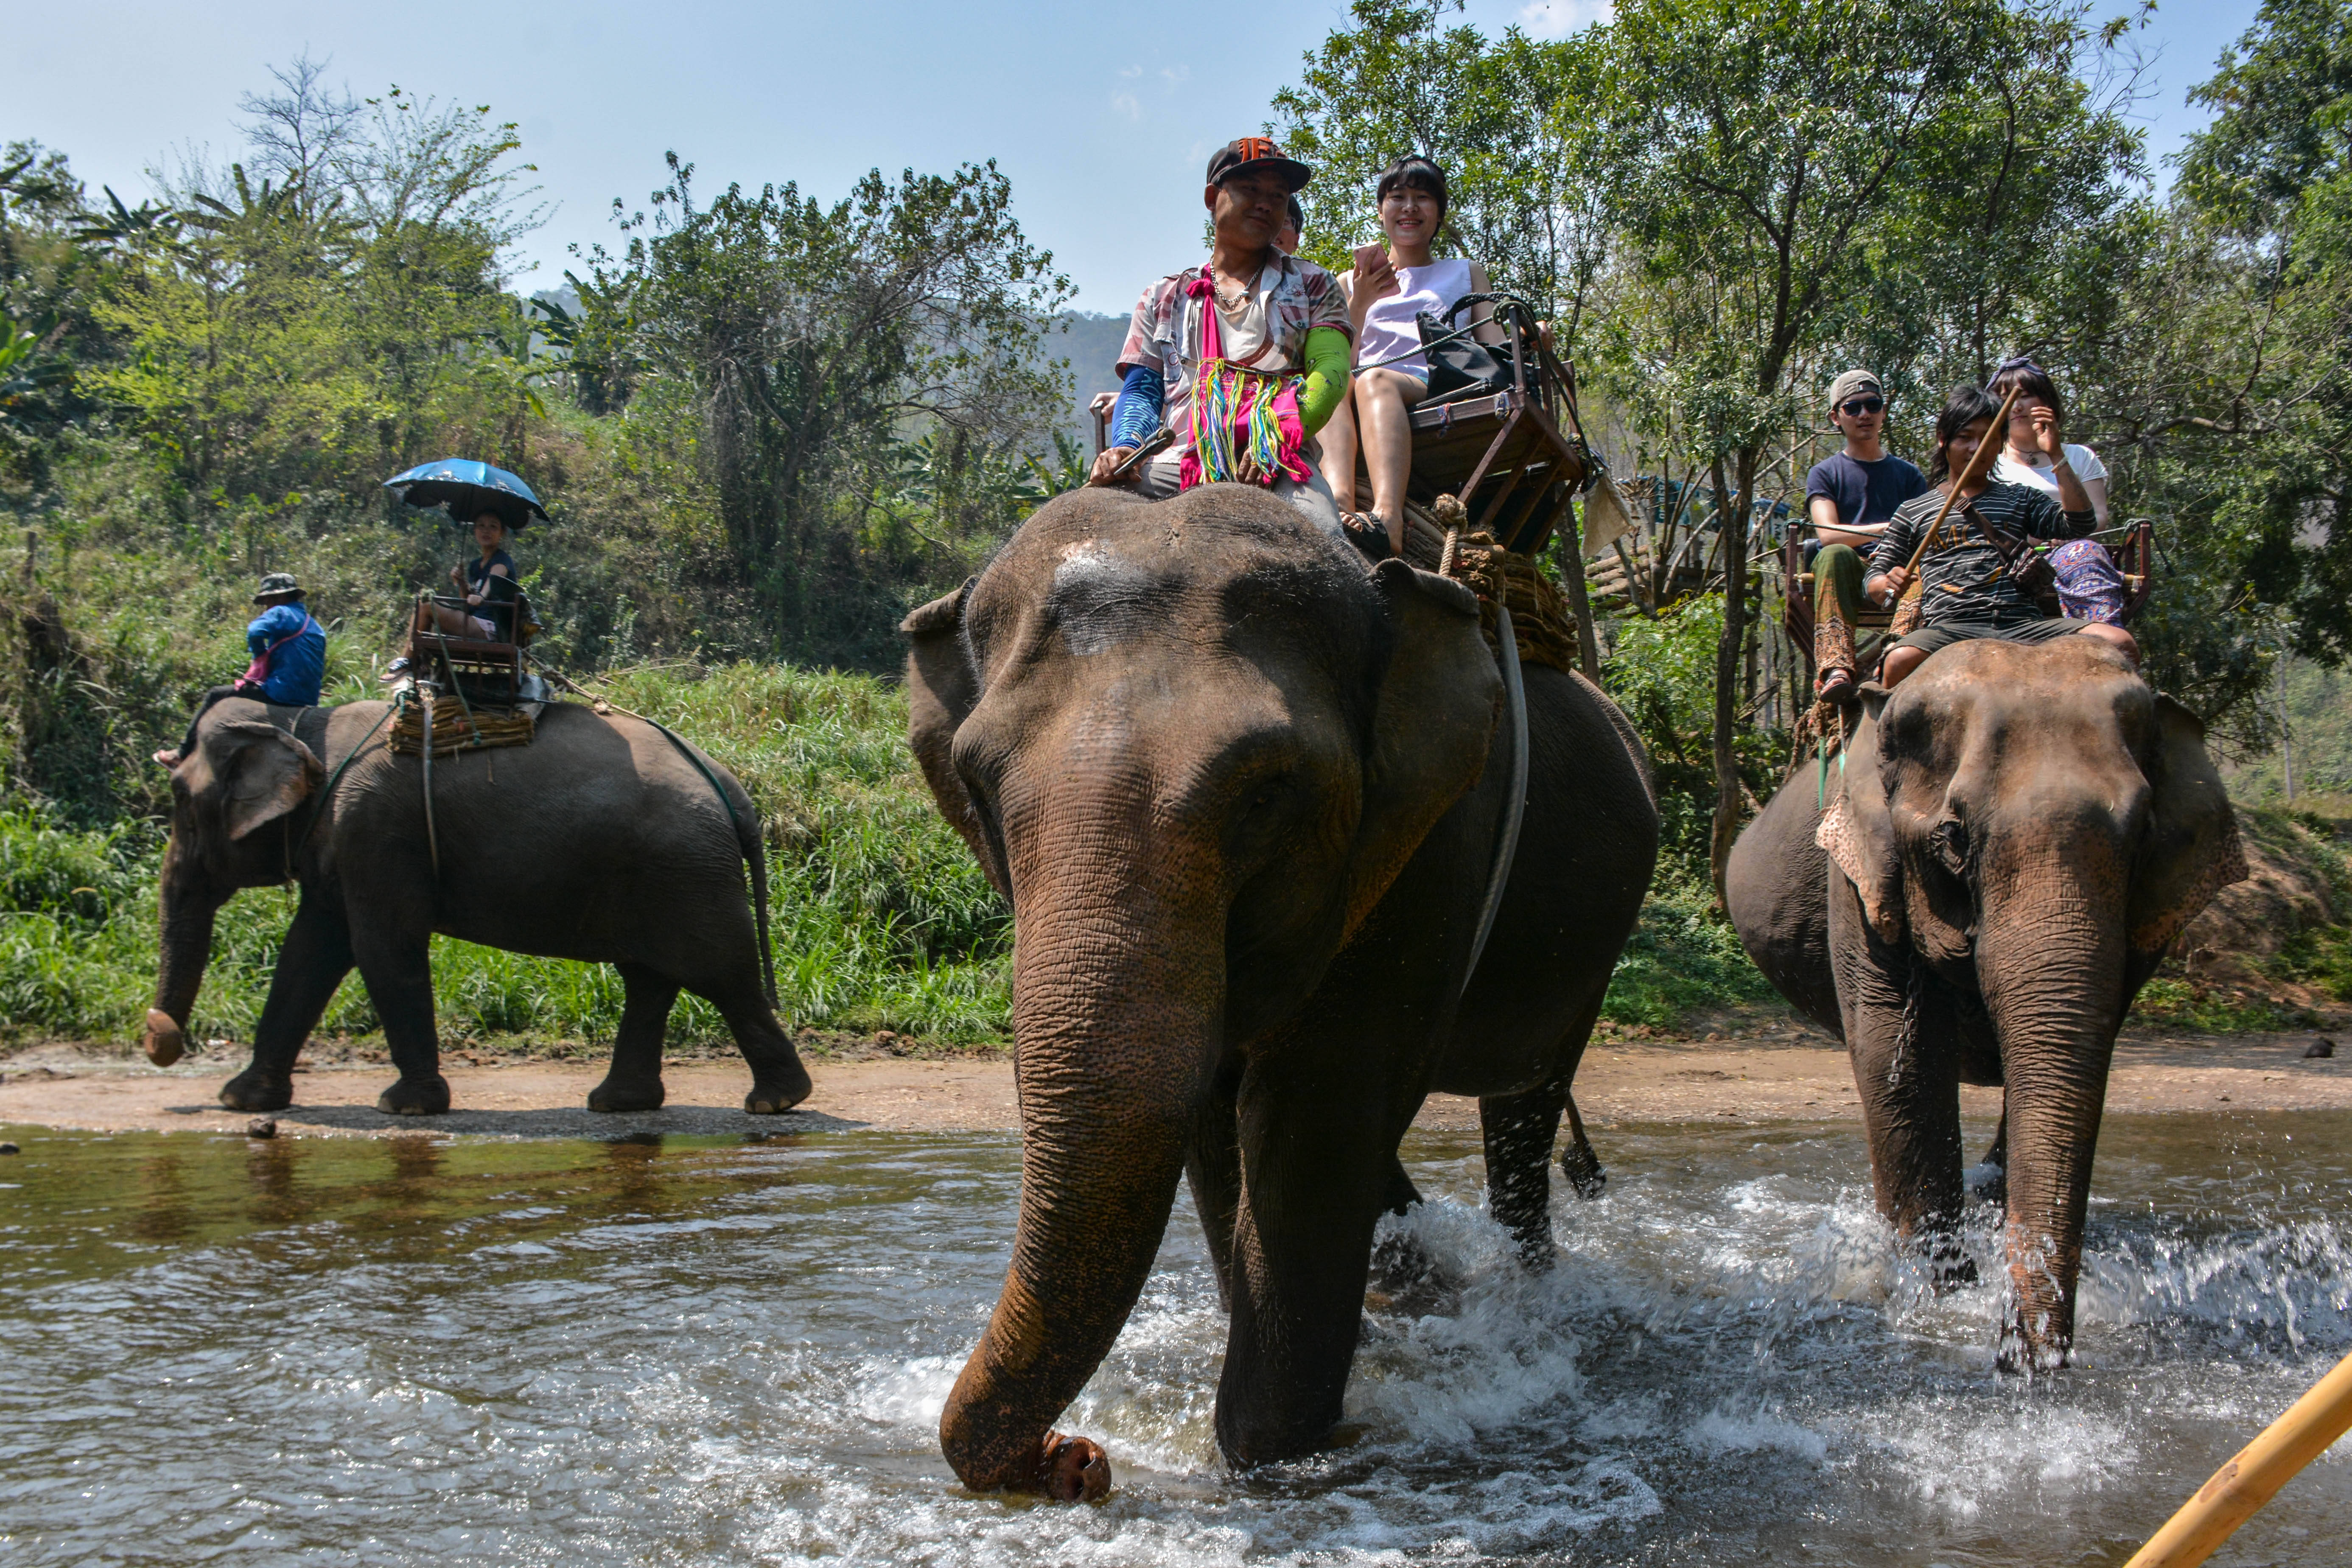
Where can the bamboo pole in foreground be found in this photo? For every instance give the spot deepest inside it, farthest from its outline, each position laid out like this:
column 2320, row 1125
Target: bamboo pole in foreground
column 2240, row 1487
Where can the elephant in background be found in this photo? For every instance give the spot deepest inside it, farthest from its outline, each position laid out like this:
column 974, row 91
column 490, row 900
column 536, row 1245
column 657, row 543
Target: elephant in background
column 1245, row 797
column 597, row 841
column 1974, row 893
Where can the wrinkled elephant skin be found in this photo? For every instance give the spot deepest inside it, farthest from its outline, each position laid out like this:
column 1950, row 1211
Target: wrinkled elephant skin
column 1981, row 885
column 597, row 841
column 1244, row 795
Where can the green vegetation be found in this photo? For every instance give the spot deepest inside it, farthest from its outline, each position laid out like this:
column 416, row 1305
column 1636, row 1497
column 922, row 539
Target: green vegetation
column 881, row 917
column 768, row 423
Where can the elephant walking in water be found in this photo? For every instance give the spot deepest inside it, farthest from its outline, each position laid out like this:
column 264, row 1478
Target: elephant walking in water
column 1244, row 797
column 598, row 841
column 1974, row 892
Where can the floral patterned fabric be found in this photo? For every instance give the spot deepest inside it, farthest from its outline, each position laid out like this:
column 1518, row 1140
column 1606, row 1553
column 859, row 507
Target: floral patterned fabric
column 2089, row 586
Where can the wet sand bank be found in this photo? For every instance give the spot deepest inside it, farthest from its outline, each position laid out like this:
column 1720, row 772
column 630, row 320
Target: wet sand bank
column 1787, row 1076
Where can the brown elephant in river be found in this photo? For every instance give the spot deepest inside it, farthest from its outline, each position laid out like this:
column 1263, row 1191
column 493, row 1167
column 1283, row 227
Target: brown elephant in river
column 1245, row 797
column 1974, row 893
column 598, row 841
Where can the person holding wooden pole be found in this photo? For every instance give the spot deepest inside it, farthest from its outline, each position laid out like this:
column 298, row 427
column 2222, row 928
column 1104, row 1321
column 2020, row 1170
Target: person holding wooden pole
column 1968, row 540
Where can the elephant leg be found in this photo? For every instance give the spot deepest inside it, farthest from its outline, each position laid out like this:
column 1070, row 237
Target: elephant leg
column 1902, row 1042
column 1577, row 1162
column 397, row 968
column 1993, row 1187
column 1213, row 1167
column 634, row 1082
column 316, row 955
column 779, row 1081
column 1520, row 1130
column 1400, row 1263
column 1318, row 1150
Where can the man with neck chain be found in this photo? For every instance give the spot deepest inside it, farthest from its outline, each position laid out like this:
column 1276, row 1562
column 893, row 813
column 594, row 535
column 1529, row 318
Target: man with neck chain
column 1252, row 306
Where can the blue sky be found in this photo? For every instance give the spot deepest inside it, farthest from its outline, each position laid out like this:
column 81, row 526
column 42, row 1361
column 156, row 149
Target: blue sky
column 1103, row 114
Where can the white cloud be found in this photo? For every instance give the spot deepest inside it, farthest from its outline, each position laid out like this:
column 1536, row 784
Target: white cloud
column 1558, row 18
column 1175, row 75
column 1132, row 72
column 1126, row 103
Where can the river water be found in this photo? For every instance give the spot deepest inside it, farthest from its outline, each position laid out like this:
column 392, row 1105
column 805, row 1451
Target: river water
column 428, row 1351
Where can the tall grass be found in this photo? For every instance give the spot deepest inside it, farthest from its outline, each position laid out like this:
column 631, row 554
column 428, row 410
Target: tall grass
column 880, row 918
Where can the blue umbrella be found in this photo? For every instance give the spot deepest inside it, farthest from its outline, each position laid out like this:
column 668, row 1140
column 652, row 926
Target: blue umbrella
column 467, row 488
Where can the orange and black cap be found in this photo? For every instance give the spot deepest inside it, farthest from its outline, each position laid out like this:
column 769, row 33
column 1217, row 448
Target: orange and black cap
column 1247, row 153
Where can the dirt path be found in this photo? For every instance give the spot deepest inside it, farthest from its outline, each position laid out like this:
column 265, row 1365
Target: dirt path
column 1788, row 1075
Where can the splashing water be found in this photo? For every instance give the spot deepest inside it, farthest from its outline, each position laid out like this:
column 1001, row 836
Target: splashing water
column 423, row 1349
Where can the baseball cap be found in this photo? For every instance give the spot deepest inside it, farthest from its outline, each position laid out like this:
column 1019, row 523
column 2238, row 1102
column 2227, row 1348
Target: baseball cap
column 1247, row 153
column 1854, row 383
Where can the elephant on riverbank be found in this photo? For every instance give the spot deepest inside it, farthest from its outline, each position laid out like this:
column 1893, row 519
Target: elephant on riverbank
column 1246, row 797
column 598, row 841
column 1974, row 892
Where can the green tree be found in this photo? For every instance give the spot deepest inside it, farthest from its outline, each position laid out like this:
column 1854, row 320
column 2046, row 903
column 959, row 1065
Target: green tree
column 1761, row 159
column 811, row 343
column 1494, row 113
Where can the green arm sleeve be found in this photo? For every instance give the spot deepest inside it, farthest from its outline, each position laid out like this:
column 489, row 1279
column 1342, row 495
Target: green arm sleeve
column 1328, row 358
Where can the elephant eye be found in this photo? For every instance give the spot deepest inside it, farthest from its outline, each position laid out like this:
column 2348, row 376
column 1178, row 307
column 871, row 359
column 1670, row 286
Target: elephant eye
column 1951, row 842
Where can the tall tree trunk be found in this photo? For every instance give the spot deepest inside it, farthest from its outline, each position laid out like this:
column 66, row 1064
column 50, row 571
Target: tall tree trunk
column 1731, row 513
column 1580, row 604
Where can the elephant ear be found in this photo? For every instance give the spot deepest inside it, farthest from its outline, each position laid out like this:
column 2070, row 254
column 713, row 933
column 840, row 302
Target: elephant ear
column 1431, row 729
column 2190, row 850
column 1856, row 827
column 941, row 688
column 268, row 773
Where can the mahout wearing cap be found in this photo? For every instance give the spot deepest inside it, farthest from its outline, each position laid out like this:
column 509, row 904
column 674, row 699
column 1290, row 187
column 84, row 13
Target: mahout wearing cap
column 1246, row 154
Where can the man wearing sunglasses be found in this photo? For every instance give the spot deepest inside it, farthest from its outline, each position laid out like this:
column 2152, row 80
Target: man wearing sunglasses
column 1850, row 498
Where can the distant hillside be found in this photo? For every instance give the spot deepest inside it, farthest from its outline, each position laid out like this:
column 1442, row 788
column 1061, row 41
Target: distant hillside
column 1091, row 343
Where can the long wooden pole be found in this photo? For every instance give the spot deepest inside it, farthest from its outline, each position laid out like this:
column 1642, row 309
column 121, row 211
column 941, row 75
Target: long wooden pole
column 2240, row 1487
column 1985, row 449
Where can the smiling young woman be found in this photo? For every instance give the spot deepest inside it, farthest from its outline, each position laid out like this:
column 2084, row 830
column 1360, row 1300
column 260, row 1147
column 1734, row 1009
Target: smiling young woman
column 1387, row 292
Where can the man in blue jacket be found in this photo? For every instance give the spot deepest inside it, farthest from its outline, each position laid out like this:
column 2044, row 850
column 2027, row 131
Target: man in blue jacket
column 289, row 659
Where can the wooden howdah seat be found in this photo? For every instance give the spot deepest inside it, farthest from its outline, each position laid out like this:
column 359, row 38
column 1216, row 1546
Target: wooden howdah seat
column 2133, row 552
column 1504, row 454
column 481, row 672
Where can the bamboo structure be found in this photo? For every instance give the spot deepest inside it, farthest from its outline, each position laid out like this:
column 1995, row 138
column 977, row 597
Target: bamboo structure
column 2240, row 1487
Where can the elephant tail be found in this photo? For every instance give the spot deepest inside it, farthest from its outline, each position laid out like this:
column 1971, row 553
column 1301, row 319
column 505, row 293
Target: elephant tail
column 747, row 839
column 757, row 856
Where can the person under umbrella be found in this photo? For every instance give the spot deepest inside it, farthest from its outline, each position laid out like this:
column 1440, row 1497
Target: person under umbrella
column 289, row 659
column 496, row 503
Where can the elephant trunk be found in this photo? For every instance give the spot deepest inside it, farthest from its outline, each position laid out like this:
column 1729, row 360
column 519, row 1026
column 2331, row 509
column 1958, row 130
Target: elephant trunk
column 1118, row 1006
column 189, row 905
column 2050, row 959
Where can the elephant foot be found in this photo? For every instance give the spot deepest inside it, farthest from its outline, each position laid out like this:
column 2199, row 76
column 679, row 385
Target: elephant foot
column 775, row 1095
column 1073, row 1469
column 618, row 1095
column 1413, row 1282
column 2021, row 1356
column 1989, row 1182
column 165, row 1041
column 1583, row 1168
column 415, row 1097
column 255, row 1089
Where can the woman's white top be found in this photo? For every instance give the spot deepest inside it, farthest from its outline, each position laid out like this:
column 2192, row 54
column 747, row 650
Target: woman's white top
column 2041, row 475
column 1390, row 328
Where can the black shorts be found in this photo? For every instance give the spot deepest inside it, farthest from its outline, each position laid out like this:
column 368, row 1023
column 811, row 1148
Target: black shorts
column 1930, row 639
